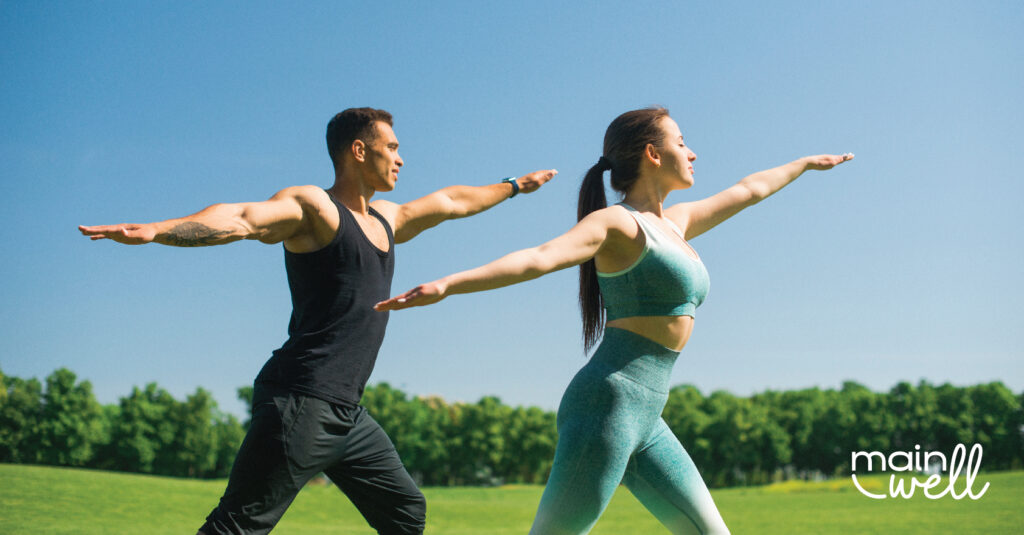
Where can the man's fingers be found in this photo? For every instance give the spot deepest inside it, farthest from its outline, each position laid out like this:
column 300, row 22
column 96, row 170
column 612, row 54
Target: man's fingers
column 104, row 229
column 529, row 183
column 89, row 230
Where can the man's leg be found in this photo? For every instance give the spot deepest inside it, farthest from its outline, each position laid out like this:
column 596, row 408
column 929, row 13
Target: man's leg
column 264, row 479
column 371, row 474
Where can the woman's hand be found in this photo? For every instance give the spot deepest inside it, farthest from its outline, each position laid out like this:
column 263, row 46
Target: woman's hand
column 826, row 161
column 422, row 295
column 578, row 245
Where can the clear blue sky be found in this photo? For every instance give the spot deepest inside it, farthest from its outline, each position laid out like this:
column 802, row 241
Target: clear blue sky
column 904, row 264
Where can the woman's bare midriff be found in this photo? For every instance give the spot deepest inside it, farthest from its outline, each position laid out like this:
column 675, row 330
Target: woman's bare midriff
column 670, row 331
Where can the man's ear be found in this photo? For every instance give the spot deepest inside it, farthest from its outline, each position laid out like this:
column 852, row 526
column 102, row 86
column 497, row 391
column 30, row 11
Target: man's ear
column 652, row 155
column 358, row 149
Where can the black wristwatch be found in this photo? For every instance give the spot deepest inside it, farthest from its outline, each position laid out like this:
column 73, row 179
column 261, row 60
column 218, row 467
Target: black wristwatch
column 515, row 185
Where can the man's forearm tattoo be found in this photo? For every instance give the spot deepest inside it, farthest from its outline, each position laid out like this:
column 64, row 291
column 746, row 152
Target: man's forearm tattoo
column 192, row 234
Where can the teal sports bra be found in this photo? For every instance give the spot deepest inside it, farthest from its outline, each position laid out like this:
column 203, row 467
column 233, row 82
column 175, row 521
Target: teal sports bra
column 663, row 281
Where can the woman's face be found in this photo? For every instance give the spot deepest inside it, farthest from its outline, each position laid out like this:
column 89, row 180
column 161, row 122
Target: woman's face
column 676, row 158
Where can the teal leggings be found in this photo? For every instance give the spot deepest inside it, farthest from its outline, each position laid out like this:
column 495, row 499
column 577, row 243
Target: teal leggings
column 610, row 430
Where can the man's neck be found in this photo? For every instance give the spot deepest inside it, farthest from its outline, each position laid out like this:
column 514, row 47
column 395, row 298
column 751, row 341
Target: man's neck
column 351, row 192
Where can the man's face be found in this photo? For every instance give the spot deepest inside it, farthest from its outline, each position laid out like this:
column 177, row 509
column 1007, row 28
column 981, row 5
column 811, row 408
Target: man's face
column 382, row 159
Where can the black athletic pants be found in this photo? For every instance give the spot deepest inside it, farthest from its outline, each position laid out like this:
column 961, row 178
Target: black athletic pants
column 293, row 438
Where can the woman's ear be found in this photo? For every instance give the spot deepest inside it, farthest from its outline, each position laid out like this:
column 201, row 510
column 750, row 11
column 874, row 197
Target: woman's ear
column 652, row 155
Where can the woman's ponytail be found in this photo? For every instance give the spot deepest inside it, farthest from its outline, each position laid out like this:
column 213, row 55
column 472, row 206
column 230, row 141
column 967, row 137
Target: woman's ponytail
column 592, row 198
column 624, row 144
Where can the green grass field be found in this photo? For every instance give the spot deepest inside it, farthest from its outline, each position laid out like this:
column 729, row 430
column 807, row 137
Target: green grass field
column 43, row 500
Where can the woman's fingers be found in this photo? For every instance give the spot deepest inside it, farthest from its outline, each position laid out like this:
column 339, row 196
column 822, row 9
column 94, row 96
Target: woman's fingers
column 399, row 301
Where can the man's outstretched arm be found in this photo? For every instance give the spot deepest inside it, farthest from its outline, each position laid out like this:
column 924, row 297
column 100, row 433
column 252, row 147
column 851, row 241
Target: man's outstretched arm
column 271, row 221
column 455, row 202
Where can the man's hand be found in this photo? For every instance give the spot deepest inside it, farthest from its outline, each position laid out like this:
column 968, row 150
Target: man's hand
column 127, row 233
column 454, row 202
column 272, row 221
column 531, row 182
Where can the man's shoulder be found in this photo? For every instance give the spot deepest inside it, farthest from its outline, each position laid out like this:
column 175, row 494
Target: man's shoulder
column 314, row 200
column 305, row 194
column 320, row 218
column 387, row 209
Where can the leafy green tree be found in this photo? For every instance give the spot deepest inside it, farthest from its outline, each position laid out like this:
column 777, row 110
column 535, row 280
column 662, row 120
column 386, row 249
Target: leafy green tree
column 104, row 456
column 915, row 410
column 479, row 444
column 530, row 438
column 192, row 451
column 685, row 416
column 854, row 419
column 875, row 424
column 426, row 440
column 71, row 423
column 151, row 432
column 21, row 409
column 144, row 428
column 229, row 434
column 733, row 440
column 797, row 412
column 997, row 424
column 748, row 446
column 954, row 418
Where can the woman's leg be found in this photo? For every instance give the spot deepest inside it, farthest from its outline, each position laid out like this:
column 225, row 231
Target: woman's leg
column 663, row 477
column 609, row 407
column 588, row 467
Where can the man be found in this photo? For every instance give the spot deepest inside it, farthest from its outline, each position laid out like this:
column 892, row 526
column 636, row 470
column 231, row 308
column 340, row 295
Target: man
column 339, row 256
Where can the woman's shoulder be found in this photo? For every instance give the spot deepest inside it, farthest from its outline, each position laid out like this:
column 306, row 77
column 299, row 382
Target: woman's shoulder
column 679, row 214
column 617, row 219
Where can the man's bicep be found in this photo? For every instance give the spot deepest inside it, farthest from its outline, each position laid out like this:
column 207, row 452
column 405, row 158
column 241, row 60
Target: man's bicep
column 416, row 216
column 276, row 219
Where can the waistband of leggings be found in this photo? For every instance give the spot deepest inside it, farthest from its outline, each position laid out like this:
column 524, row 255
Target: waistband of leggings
column 639, row 358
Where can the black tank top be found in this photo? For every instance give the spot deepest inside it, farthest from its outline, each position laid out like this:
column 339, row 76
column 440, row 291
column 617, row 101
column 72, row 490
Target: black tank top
column 334, row 333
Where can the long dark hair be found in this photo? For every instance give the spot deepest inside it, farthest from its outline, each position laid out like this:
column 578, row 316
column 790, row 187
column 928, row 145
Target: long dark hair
column 624, row 144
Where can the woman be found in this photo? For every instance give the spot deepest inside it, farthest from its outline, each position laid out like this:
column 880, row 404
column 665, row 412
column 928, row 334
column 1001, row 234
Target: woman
column 640, row 283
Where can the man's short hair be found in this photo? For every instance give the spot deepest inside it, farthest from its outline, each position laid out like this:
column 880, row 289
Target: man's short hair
column 350, row 125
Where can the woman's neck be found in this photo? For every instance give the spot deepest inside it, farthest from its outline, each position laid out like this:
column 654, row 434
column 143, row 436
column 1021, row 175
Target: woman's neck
column 646, row 195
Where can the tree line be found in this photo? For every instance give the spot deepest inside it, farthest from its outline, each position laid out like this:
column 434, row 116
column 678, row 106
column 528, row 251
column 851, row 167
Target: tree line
column 147, row 431
column 734, row 440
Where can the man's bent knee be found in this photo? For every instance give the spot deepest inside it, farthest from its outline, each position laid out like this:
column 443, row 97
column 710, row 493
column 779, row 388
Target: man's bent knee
column 409, row 518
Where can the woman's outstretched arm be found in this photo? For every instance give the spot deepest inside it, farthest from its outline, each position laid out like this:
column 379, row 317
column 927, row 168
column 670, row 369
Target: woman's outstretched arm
column 698, row 217
column 576, row 246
